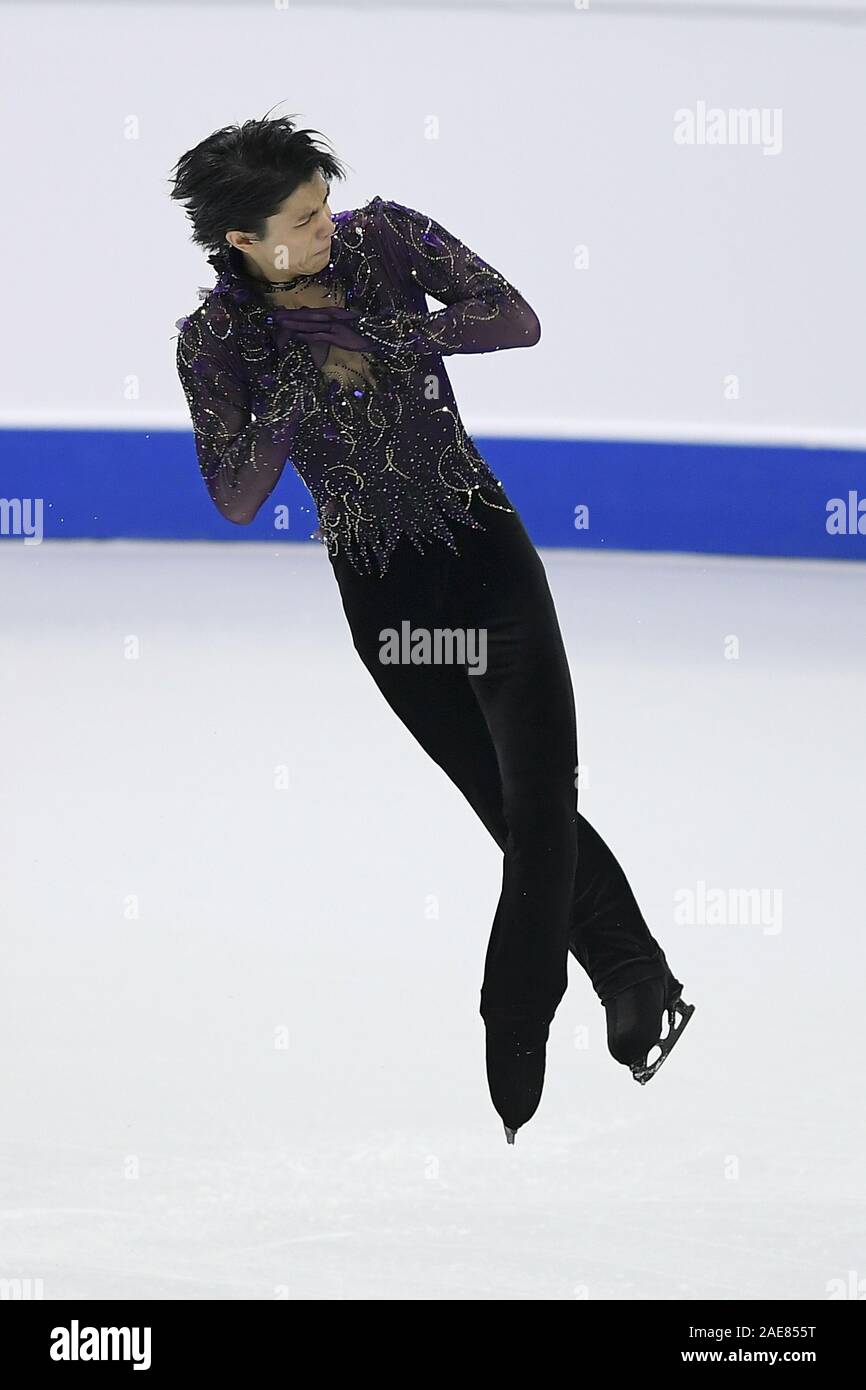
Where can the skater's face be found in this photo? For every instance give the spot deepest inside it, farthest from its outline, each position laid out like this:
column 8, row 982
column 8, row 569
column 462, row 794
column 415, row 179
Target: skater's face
column 298, row 240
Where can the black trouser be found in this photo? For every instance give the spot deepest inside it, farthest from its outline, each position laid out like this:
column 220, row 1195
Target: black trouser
column 506, row 736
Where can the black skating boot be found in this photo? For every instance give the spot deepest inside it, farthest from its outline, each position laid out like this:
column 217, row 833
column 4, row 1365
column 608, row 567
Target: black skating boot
column 634, row 1023
column 516, row 1054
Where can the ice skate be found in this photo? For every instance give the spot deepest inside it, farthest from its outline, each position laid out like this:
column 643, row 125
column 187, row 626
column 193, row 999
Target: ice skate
column 516, row 1055
column 634, row 1020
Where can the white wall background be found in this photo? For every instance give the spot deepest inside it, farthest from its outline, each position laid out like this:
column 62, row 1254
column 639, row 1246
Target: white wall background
column 554, row 129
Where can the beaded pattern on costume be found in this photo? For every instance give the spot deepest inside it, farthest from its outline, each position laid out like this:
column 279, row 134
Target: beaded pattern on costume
column 383, row 461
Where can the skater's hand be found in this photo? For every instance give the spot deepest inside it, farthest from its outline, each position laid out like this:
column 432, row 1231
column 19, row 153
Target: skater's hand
column 332, row 325
column 323, row 331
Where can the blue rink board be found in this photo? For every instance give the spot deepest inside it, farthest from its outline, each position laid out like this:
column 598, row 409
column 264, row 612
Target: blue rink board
column 714, row 498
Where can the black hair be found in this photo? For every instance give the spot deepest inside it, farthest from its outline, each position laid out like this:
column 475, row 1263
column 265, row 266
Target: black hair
column 240, row 176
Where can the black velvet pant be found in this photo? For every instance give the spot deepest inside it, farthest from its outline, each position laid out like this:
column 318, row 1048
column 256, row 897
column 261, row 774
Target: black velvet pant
column 505, row 733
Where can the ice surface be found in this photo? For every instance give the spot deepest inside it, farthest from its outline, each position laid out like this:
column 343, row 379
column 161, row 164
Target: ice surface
column 242, row 1051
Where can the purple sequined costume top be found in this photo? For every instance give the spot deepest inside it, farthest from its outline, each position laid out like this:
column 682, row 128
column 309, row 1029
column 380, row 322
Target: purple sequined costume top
column 380, row 462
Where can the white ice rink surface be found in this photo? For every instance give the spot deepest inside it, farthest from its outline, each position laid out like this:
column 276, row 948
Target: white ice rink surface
column 169, row 908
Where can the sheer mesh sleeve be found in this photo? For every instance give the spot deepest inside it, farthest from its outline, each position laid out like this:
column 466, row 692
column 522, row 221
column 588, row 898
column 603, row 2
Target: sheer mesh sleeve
column 485, row 312
column 241, row 460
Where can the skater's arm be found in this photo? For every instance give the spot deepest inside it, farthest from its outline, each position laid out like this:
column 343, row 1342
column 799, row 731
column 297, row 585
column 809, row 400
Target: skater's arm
column 241, row 460
column 484, row 310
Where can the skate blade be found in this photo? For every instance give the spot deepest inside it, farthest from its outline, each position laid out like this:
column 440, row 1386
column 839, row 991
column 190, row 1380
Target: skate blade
column 643, row 1073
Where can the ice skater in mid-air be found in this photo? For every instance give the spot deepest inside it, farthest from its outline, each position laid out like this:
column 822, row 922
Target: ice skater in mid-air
column 316, row 344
